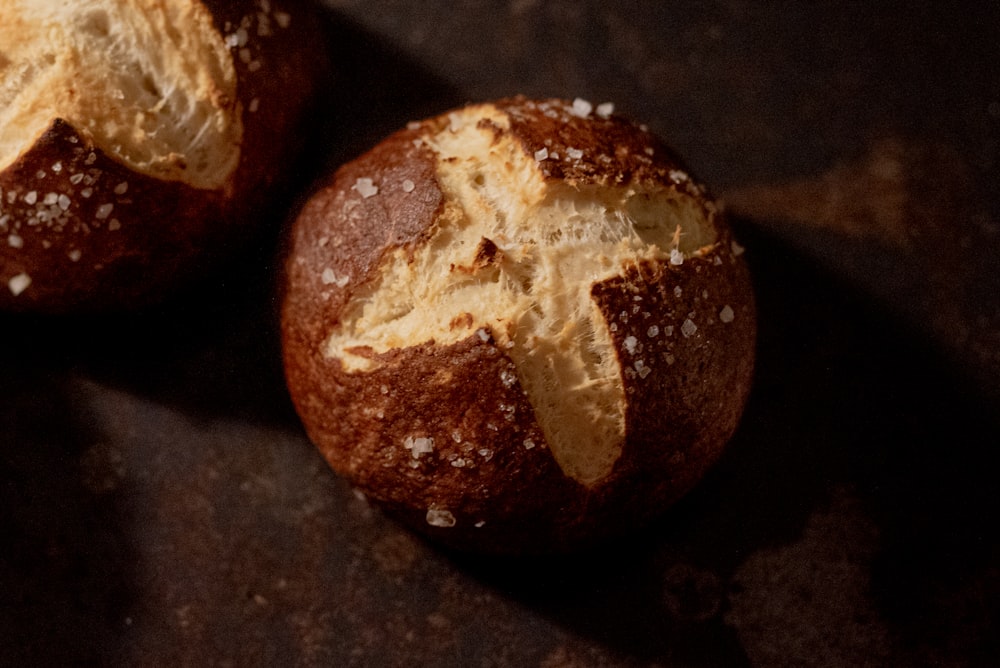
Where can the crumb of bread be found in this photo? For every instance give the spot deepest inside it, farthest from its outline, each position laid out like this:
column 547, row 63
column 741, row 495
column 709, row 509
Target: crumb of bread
column 152, row 83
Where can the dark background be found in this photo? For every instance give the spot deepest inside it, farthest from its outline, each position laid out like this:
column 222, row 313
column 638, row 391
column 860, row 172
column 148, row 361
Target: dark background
column 160, row 504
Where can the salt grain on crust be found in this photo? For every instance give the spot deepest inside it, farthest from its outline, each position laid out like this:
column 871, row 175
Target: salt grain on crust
column 581, row 108
column 18, row 284
column 365, row 187
column 688, row 329
column 542, row 154
column 676, row 257
column 727, row 315
column 409, row 186
column 418, row 446
column 329, row 277
column 605, row 109
column 439, row 517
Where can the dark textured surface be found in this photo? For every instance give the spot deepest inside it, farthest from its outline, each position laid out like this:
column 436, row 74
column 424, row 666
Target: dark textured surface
column 160, row 505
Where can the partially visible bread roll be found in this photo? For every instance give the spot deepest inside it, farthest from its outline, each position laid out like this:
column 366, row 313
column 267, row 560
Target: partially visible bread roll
column 519, row 326
column 139, row 137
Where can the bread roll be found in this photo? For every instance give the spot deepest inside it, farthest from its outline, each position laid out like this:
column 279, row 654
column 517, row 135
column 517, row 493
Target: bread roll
column 519, row 327
column 139, row 137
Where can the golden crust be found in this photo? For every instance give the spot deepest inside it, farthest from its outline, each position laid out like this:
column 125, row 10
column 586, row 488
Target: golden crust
column 80, row 230
column 444, row 436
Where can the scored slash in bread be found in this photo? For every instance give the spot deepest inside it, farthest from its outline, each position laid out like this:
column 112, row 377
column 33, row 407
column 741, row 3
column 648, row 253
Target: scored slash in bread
column 139, row 137
column 518, row 326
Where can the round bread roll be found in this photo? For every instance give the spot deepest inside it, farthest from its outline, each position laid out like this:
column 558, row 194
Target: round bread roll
column 139, row 137
column 519, row 326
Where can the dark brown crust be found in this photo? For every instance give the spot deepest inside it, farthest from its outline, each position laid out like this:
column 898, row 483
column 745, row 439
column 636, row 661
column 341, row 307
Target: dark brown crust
column 489, row 466
column 117, row 246
column 616, row 152
column 366, row 230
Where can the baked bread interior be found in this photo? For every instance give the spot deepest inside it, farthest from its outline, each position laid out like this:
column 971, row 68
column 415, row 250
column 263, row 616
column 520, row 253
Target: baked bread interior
column 151, row 82
column 144, row 143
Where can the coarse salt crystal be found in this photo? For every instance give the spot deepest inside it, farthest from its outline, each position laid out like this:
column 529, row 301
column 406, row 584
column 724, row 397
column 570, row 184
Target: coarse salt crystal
column 529, row 444
column 365, row 187
column 508, row 378
column 439, row 517
column 688, row 329
column 75, row 255
column 418, row 446
column 727, row 315
column 605, row 109
column 574, row 153
column 31, row 197
column 19, row 284
column 653, row 332
column 542, row 154
column 631, row 344
column 104, row 211
column 409, row 186
column 121, row 188
column 114, row 225
column 581, row 108
column 64, row 202
column 676, row 257
column 14, row 241
column 283, row 19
